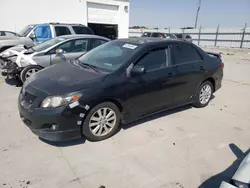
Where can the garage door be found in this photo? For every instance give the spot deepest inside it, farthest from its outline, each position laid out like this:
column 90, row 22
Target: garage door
column 102, row 13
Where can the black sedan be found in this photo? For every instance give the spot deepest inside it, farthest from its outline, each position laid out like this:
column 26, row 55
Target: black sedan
column 117, row 82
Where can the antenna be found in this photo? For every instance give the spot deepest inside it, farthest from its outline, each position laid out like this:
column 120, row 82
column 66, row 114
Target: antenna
column 197, row 14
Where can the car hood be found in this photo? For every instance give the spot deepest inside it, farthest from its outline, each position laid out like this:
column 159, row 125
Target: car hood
column 64, row 78
column 243, row 172
column 10, row 52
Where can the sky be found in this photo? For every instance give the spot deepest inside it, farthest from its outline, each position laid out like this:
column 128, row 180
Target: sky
column 182, row 13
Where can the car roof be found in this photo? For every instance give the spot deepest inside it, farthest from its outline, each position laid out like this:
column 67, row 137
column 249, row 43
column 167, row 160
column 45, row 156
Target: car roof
column 82, row 36
column 147, row 41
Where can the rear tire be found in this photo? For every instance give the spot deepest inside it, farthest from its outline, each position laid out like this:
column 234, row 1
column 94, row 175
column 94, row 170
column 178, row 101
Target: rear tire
column 203, row 95
column 28, row 71
column 101, row 122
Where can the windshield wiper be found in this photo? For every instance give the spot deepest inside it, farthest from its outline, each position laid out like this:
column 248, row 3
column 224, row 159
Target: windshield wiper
column 93, row 67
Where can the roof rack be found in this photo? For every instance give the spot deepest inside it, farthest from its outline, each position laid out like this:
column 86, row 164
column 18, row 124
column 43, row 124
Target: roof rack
column 56, row 23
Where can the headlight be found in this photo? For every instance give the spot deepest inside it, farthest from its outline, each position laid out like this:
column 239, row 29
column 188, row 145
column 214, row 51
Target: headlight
column 56, row 101
column 241, row 185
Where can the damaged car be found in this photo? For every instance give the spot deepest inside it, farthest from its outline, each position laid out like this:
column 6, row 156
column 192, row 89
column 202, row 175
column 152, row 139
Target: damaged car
column 34, row 34
column 22, row 62
column 241, row 178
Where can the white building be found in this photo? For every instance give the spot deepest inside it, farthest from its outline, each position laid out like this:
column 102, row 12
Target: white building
column 101, row 16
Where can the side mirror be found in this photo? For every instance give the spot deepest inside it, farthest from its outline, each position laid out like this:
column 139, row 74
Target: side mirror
column 32, row 36
column 59, row 51
column 137, row 70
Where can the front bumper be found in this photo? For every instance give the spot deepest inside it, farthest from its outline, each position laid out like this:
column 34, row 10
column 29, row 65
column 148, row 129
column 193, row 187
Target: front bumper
column 57, row 124
column 40, row 123
column 9, row 68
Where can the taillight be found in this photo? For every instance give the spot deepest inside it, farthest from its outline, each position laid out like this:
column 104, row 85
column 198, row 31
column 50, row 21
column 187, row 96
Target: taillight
column 222, row 65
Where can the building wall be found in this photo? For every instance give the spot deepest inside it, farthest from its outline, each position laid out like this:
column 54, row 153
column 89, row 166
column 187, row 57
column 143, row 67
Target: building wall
column 16, row 14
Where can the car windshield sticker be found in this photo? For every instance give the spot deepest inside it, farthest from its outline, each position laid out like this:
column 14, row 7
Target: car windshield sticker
column 130, row 46
column 108, row 64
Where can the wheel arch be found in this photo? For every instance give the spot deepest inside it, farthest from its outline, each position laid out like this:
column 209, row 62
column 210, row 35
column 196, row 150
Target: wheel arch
column 5, row 48
column 210, row 79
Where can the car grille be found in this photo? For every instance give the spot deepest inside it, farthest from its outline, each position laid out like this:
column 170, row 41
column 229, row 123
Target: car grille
column 29, row 98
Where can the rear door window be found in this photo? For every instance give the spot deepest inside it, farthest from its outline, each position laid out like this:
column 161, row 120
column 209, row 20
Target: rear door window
column 82, row 30
column 96, row 42
column 62, row 30
column 184, row 53
column 9, row 34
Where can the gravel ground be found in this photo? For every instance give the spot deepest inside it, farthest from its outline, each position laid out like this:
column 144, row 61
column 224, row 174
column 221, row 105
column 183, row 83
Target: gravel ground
column 181, row 148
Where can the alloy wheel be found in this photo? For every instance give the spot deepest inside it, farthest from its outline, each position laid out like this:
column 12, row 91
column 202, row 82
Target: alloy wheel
column 30, row 72
column 205, row 94
column 102, row 121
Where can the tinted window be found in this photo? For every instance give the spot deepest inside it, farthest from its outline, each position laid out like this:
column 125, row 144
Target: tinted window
column 61, row 30
column 96, row 42
column 82, row 30
column 179, row 36
column 184, row 53
column 155, row 34
column 154, row 60
column 2, row 33
column 79, row 45
column 188, row 37
column 146, row 34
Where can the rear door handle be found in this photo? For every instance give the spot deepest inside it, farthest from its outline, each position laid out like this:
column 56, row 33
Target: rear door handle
column 201, row 68
column 170, row 74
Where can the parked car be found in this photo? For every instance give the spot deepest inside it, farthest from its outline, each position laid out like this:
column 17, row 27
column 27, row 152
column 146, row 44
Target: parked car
column 23, row 62
column 35, row 34
column 8, row 33
column 119, row 81
column 159, row 35
column 184, row 36
column 241, row 178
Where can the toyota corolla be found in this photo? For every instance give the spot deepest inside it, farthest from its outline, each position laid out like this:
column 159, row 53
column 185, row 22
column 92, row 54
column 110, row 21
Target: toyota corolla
column 117, row 82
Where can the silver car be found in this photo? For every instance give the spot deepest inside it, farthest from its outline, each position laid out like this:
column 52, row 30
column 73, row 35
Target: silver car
column 23, row 62
column 241, row 178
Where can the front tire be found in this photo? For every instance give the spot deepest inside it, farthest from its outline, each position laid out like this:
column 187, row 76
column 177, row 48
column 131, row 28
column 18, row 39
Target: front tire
column 204, row 94
column 28, row 71
column 101, row 122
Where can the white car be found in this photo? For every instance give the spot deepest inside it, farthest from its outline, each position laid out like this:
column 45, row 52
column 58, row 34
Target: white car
column 241, row 178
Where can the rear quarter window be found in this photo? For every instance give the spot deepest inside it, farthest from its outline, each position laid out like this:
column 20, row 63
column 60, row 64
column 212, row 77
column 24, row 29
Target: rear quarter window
column 82, row 30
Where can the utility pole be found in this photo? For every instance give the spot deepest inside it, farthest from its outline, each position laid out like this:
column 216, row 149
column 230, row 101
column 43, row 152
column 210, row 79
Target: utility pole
column 197, row 14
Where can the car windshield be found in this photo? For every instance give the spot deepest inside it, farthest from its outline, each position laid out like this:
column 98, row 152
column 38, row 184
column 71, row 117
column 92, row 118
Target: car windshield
column 25, row 31
column 49, row 43
column 110, row 56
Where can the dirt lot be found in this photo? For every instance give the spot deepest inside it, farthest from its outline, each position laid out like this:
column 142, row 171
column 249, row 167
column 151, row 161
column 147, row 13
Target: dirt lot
column 182, row 148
